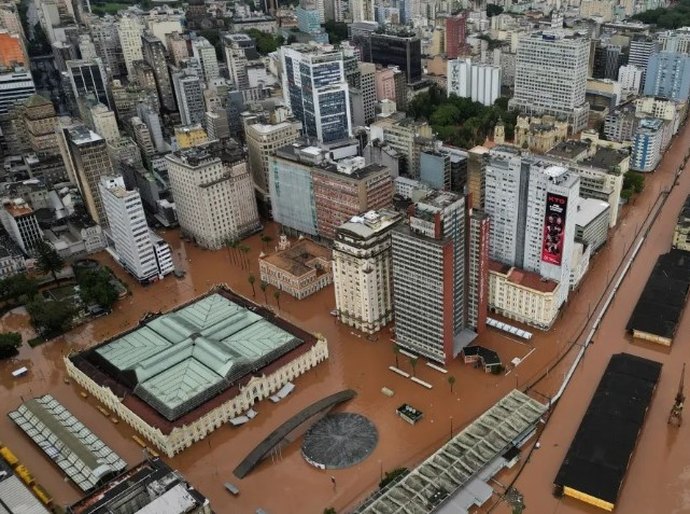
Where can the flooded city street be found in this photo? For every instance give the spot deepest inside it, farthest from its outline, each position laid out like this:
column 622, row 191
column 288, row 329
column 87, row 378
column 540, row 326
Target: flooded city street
column 285, row 483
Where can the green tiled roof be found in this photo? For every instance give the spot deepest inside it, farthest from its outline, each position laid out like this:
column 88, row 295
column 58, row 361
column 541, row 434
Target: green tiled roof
column 185, row 357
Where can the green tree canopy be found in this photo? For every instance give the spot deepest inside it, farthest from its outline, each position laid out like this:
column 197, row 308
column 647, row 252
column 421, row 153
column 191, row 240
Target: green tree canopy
column 336, row 30
column 493, row 10
column 50, row 317
column 265, row 42
column 9, row 343
column 48, row 260
column 95, row 287
column 18, row 288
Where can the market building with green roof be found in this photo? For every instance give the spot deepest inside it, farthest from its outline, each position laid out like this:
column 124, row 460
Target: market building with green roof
column 178, row 376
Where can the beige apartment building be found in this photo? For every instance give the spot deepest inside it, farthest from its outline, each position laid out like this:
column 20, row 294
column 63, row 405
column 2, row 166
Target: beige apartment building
column 262, row 142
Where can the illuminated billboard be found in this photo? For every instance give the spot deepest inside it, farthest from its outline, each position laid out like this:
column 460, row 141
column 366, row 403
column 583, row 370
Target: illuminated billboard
column 554, row 229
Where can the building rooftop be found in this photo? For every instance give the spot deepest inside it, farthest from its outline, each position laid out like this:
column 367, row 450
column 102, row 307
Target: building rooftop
column 589, row 209
column 81, row 134
column 15, row 497
column 370, row 223
column 18, row 208
column 152, row 484
column 662, row 302
column 175, row 367
column 571, row 150
column 607, row 158
column 524, row 278
column 301, row 258
column 650, row 125
column 600, row 453
column 83, row 457
column 457, row 463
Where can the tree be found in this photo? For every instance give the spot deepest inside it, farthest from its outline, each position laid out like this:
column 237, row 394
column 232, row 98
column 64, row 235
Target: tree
column 392, row 475
column 95, row 287
column 413, row 363
column 265, row 43
column 263, row 286
column 276, row 295
column 51, row 318
column 493, row 10
column 48, row 260
column 265, row 239
column 329, row 510
column 251, row 278
column 9, row 343
column 229, row 245
column 245, row 251
column 337, row 31
column 18, row 288
column 451, row 382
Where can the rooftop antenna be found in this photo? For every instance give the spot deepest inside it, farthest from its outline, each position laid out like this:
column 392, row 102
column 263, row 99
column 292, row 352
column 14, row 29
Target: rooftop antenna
column 676, row 415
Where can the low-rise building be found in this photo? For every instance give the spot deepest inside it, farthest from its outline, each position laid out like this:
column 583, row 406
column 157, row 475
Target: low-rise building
column 300, row 270
column 539, row 134
column 523, row 295
column 681, row 232
column 152, row 485
column 592, row 222
column 175, row 386
column 362, row 270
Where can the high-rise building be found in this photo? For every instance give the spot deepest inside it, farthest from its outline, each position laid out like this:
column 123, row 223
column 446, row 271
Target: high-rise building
column 217, row 126
column 456, row 34
column 478, row 270
column 86, row 159
column 551, row 76
column 130, row 28
column 363, row 270
column 262, row 142
column 429, row 278
column 630, row 78
column 19, row 220
column 205, row 53
column 532, row 205
column 142, row 136
column 15, row 87
column 39, row 123
column 190, row 97
column 641, row 49
column 153, row 50
column 12, row 51
column 668, row 76
column 239, row 50
column 130, row 234
column 480, row 82
column 177, row 48
column 316, row 91
column 88, row 79
column 103, row 122
column 647, row 145
column 363, row 94
column 402, row 51
column 363, row 10
column 213, row 194
column 402, row 133
column 152, row 120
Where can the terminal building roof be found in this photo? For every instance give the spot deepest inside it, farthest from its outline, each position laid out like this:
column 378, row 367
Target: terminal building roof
column 84, row 458
column 439, row 478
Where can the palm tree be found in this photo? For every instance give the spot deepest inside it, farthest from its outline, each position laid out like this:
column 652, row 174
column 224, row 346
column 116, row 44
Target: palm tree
column 413, row 363
column 235, row 244
column 245, row 250
column 265, row 240
column 263, row 286
column 251, row 278
column 451, row 382
column 276, row 295
column 396, row 352
column 228, row 246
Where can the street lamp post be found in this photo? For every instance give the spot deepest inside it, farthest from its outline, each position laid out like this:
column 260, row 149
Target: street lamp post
column 451, row 428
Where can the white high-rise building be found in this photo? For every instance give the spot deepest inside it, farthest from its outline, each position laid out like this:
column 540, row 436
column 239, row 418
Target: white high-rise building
column 532, row 205
column 15, row 87
column 630, row 78
column 205, row 53
column 363, row 10
column 363, row 270
column 130, row 28
column 104, row 122
column 144, row 256
column 213, row 194
column 480, row 82
column 551, row 76
column 190, row 97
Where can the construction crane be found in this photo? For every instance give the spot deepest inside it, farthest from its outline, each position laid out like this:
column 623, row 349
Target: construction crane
column 676, row 415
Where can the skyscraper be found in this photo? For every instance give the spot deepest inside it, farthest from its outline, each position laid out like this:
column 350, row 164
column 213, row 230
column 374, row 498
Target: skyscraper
column 456, row 34
column 404, row 51
column 130, row 28
column 214, row 195
column 154, row 55
column 144, row 257
column 190, row 97
column 551, row 76
column 480, row 82
column 641, row 49
column 532, row 205
column 205, row 53
column 15, row 87
column 316, row 91
column 362, row 10
column 668, row 76
column 363, row 270
column 429, row 278
column 85, row 155
column 88, row 78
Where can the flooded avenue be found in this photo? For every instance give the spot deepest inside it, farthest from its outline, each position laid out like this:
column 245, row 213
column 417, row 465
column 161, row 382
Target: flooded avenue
column 286, row 483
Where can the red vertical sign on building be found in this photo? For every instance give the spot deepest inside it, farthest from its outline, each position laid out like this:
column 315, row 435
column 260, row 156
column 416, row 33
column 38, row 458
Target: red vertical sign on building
column 554, row 229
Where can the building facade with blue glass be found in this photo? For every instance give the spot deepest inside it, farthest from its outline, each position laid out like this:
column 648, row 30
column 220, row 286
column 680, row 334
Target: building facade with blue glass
column 668, row 76
column 316, row 91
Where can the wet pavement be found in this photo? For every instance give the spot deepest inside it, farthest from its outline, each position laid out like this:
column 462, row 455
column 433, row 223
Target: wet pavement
column 285, row 483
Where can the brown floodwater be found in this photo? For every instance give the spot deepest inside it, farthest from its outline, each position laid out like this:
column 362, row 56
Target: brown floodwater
column 286, row 483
